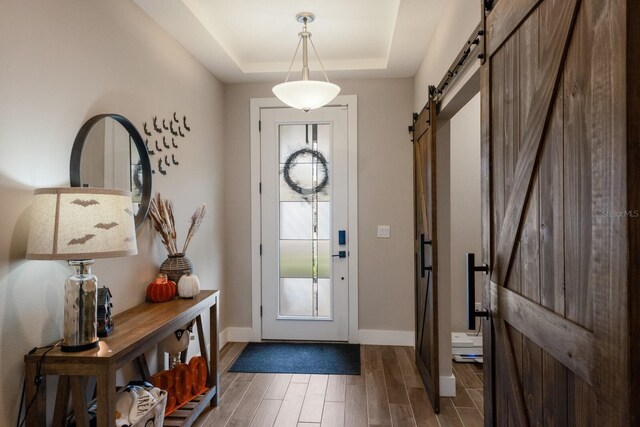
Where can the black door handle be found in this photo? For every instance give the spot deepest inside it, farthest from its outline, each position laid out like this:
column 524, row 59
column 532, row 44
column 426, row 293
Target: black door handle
column 471, row 291
column 423, row 242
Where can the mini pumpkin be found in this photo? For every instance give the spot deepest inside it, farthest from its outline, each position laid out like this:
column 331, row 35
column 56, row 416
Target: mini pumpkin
column 161, row 289
column 188, row 286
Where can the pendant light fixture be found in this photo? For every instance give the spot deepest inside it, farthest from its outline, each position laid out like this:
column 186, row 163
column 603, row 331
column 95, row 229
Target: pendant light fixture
column 306, row 94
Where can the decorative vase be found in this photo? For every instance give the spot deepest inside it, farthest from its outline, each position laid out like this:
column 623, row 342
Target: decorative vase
column 188, row 286
column 175, row 266
column 161, row 289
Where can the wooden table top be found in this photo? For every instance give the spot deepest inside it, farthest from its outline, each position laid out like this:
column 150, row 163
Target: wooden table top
column 135, row 330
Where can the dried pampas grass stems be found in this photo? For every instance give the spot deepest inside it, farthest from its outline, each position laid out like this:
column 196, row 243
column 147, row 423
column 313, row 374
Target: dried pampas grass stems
column 161, row 213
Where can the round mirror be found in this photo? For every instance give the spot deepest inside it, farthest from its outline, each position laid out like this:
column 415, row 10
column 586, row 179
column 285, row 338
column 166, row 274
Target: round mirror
column 109, row 153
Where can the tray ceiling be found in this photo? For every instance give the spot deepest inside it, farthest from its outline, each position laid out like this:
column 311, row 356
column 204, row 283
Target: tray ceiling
column 254, row 40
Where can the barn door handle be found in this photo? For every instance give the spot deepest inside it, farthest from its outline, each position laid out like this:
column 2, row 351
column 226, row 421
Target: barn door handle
column 471, row 291
column 423, row 268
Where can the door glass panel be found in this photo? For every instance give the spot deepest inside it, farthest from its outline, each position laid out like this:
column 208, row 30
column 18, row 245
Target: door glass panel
column 295, row 258
column 296, row 220
column 305, row 220
column 324, row 220
column 296, row 297
column 324, row 297
column 324, row 258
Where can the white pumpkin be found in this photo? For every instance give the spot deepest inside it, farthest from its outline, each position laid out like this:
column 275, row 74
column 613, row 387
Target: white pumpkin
column 188, row 286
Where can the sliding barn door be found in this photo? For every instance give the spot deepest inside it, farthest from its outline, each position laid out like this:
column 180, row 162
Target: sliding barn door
column 424, row 153
column 556, row 216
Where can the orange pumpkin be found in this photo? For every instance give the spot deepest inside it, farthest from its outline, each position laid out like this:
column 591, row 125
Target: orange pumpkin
column 161, row 289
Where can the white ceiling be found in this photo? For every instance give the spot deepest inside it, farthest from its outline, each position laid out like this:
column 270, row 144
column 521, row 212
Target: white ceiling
column 254, row 40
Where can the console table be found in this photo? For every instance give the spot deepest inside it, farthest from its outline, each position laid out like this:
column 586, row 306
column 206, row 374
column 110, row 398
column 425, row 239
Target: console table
column 136, row 331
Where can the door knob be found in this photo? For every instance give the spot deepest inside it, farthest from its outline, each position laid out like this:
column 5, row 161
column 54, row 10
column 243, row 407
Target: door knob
column 340, row 254
column 471, row 291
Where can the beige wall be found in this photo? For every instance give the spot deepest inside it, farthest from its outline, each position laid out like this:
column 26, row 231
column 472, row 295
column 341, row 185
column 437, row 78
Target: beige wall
column 385, row 198
column 458, row 20
column 63, row 62
column 465, row 206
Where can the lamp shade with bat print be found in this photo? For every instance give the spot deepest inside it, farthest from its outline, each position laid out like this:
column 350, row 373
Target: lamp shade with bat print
column 80, row 224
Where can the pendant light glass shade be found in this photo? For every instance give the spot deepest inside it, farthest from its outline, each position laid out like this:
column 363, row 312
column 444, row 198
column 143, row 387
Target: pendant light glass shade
column 306, row 94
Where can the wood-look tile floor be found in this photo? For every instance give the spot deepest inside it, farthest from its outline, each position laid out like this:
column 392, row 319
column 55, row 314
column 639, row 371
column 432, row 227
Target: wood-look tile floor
column 388, row 393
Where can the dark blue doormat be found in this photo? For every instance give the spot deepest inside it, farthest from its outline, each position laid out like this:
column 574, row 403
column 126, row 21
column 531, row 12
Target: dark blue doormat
column 299, row 358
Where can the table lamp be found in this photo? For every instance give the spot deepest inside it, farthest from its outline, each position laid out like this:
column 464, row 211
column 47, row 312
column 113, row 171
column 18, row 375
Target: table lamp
column 80, row 224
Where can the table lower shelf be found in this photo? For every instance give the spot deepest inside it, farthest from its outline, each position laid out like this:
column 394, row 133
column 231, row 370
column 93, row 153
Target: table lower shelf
column 187, row 414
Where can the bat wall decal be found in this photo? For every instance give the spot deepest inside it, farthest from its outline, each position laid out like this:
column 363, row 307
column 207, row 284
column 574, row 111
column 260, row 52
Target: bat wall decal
column 105, row 226
column 81, row 240
column 85, row 203
column 155, row 125
column 178, row 128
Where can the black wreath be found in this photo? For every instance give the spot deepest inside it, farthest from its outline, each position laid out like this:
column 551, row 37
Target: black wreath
column 291, row 162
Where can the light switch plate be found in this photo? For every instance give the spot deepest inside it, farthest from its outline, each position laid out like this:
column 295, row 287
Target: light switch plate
column 384, row 231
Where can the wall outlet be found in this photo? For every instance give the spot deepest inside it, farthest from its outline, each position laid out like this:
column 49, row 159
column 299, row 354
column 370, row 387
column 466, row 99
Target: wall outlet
column 384, row 231
column 478, row 306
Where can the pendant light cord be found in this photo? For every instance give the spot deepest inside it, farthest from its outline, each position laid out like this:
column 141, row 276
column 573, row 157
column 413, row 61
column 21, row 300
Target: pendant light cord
column 294, row 58
column 318, row 56
column 304, row 30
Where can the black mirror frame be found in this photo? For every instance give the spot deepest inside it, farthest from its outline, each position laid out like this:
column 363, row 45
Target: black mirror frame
column 76, row 156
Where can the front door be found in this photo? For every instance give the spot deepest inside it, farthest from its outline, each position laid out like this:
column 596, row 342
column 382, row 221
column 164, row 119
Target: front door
column 555, row 234
column 305, row 240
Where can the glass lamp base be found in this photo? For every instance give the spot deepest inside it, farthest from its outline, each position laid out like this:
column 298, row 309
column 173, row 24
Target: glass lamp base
column 80, row 308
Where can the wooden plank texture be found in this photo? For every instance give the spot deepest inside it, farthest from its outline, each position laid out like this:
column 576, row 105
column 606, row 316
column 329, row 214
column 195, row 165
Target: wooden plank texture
column 534, row 128
column 565, row 340
column 355, row 413
column 291, row 405
column 314, row 399
column 633, row 192
column 426, row 254
column 504, row 19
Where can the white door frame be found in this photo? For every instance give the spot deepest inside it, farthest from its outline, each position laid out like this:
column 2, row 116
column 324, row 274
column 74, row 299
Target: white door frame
column 350, row 101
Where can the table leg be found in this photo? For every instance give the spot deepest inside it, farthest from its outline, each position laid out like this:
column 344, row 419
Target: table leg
column 35, row 397
column 106, row 385
column 62, row 401
column 78, row 391
column 214, row 356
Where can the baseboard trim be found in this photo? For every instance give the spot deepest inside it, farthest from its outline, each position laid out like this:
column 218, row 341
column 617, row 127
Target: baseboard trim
column 381, row 337
column 448, row 386
column 365, row 336
column 223, row 338
column 232, row 334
